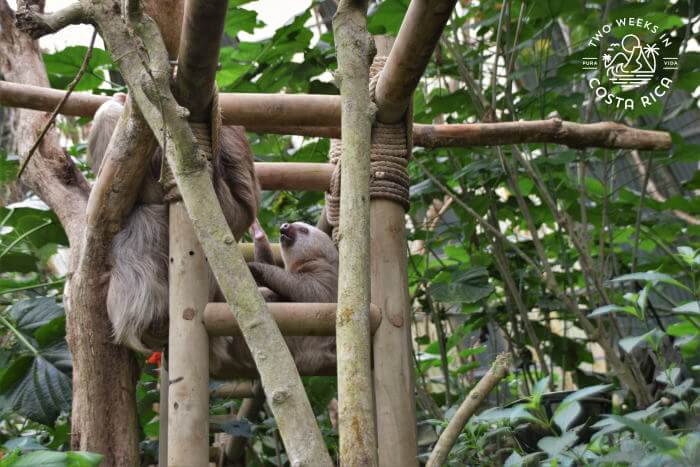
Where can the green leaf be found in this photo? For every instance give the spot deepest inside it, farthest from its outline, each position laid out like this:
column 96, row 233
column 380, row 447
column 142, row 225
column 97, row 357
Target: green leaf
column 650, row 433
column 24, row 444
column 467, row 286
column 587, row 392
column 554, row 445
column 690, row 308
column 33, row 313
column 18, row 262
column 565, row 415
column 83, row 459
column 241, row 19
column 650, row 276
column 628, row 344
column 386, row 17
column 608, row 309
column 40, row 388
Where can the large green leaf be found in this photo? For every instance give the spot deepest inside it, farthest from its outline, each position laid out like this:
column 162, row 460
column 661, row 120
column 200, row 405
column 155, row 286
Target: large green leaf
column 62, row 67
column 554, row 445
column 467, row 286
column 652, row 434
column 39, row 386
column 55, row 459
column 31, row 314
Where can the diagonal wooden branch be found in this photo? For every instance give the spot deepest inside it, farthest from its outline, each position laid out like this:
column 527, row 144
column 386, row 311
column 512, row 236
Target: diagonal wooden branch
column 52, row 117
column 143, row 61
column 420, row 31
column 355, row 51
column 319, row 115
column 471, row 403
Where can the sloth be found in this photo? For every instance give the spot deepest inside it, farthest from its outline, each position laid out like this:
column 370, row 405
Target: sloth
column 137, row 295
column 310, row 274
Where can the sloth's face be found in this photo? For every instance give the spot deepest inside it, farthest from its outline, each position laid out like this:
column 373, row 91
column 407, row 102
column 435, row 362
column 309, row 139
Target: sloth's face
column 290, row 233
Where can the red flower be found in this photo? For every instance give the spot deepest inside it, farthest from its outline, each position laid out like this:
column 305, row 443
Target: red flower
column 154, row 359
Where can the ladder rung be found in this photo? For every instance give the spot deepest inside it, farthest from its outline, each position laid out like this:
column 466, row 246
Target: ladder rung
column 294, row 176
column 293, row 319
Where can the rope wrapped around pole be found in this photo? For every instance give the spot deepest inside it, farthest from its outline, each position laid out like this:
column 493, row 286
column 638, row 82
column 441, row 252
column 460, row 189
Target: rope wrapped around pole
column 391, row 148
column 208, row 138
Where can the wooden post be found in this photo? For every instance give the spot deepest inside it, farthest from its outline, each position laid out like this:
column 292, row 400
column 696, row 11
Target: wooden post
column 163, row 414
column 393, row 363
column 188, row 404
column 358, row 442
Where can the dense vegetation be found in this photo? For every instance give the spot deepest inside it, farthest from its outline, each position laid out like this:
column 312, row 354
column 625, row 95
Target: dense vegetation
column 593, row 284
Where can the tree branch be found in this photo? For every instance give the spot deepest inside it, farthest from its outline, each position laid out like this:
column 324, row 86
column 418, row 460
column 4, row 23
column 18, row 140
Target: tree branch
column 37, row 24
column 476, row 396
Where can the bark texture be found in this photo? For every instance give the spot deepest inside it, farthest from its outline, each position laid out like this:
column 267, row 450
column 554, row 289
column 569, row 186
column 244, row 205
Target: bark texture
column 355, row 50
column 104, row 412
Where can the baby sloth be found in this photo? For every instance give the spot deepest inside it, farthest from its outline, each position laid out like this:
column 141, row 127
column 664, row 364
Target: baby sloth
column 310, row 271
column 310, row 275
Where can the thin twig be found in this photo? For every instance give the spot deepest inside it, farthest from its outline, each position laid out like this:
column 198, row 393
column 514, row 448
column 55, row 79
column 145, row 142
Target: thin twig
column 57, row 110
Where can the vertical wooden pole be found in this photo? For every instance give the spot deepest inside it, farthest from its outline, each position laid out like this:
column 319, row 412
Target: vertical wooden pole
column 358, row 444
column 188, row 398
column 163, row 414
column 393, row 363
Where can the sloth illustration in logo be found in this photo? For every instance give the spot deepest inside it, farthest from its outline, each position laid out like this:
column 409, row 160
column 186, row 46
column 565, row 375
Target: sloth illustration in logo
column 634, row 64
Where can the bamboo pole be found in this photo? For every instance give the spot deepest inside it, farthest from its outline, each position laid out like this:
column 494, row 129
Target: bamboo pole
column 248, row 252
column 188, row 417
column 163, row 408
column 188, row 401
column 420, row 31
column 295, row 109
column 476, row 396
column 293, row 319
column 393, row 361
column 294, row 176
column 234, row 389
column 354, row 50
column 198, row 56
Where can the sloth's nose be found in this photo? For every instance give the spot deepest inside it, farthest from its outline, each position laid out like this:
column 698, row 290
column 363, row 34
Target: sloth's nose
column 284, row 228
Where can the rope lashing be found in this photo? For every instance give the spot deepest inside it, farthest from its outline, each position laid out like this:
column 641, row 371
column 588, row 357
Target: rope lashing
column 390, row 150
column 207, row 138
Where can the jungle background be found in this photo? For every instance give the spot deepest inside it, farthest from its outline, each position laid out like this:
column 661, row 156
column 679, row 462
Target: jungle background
column 609, row 237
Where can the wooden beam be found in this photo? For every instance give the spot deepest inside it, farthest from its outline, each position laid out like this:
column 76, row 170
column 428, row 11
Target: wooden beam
column 233, row 390
column 248, row 251
column 294, row 176
column 249, row 110
column 392, row 343
column 256, row 112
column 293, row 319
column 410, row 55
column 198, row 57
column 576, row 135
